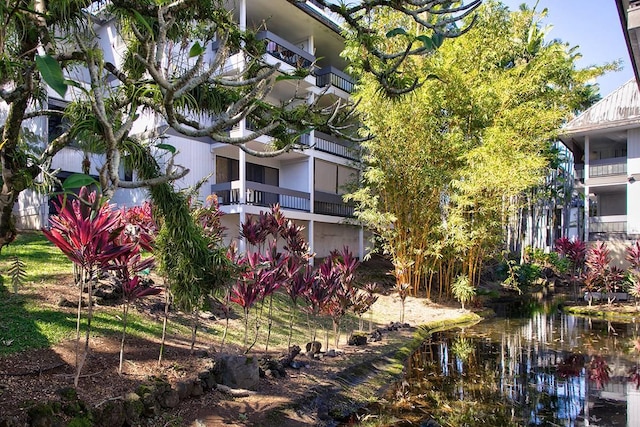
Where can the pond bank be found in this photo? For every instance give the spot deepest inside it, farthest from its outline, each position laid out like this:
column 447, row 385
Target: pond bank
column 327, row 391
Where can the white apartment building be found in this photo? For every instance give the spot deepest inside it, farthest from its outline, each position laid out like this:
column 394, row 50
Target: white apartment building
column 605, row 141
column 307, row 183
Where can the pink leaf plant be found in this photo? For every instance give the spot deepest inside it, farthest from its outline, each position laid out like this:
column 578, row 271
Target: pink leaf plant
column 87, row 230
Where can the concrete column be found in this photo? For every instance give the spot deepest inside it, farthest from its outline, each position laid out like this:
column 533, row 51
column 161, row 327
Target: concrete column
column 361, row 253
column 311, row 240
column 587, row 161
column 242, row 176
column 243, row 15
column 312, row 176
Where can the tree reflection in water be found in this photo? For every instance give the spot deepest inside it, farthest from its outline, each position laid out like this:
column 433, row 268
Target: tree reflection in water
column 551, row 369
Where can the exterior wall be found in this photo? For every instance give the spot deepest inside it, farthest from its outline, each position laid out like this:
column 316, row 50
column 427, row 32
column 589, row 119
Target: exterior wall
column 31, row 211
column 633, row 188
column 328, row 237
column 198, row 158
column 295, row 176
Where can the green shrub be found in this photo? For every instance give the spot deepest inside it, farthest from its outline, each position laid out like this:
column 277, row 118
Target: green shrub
column 462, row 289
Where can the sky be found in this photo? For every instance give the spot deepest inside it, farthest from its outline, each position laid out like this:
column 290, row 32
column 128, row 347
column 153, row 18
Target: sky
column 595, row 27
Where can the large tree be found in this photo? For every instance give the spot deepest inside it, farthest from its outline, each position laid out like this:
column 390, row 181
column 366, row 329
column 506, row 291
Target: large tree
column 449, row 159
column 169, row 71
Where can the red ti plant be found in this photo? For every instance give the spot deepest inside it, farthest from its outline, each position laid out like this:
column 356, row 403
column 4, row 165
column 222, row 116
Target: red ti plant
column 599, row 275
column 86, row 230
column 278, row 274
column 363, row 301
column 575, row 251
column 599, row 371
column 247, row 289
column 209, row 217
column 128, row 267
column 633, row 256
column 300, row 283
column 320, row 292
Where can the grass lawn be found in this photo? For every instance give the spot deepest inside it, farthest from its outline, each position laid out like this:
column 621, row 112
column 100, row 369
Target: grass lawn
column 30, row 319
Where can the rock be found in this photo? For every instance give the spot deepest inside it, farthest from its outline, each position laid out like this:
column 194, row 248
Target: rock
column 313, row 347
column 184, row 389
column 108, row 292
column 207, row 379
column 357, row 339
column 149, row 404
column 270, row 367
column 133, row 408
column 111, row 414
column 169, row 399
column 375, row 336
column 333, row 353
column 237, row 371
column 197, row 390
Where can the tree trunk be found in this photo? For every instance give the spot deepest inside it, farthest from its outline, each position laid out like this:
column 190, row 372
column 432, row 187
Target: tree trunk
column 125, row 311
column 164, row 324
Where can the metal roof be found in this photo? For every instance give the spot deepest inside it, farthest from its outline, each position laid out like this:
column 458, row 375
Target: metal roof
column 621, row 108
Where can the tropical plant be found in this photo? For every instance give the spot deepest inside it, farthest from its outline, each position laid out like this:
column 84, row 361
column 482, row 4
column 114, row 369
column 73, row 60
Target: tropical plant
column 633, row 256
column 17, row 272
column 598, row 371
column 248, row 288
column 133, row 287
column 463, row 290
column 182, row 88
column 599, row 275
column 440, row 189
column 575, row 251
column 86, row 230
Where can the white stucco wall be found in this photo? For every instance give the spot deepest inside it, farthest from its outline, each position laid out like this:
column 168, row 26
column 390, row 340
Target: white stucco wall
column 329, row 237
column 295, row 176
column 633, row 189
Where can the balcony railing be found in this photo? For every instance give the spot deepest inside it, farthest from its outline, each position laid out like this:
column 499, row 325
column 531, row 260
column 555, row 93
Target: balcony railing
column 610, row 224
column 331, row 204
column 334, row 77
column 331, row 144
column 608, row 167
column 285, row 51
column 261, row 195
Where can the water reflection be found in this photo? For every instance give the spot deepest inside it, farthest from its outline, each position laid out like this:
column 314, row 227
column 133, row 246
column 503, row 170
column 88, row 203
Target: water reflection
column 550, row 369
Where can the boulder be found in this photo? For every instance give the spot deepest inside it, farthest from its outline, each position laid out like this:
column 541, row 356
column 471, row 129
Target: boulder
column 313, row 347
column 111, row 414
column 133, row 408
column 357, row 339
column 237, row 371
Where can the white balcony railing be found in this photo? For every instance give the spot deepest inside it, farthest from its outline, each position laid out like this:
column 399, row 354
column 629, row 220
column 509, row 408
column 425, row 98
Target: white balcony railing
column 608, row 167
column 608, row 224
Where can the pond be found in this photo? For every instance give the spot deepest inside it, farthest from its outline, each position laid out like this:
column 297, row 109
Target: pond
column 546, row 369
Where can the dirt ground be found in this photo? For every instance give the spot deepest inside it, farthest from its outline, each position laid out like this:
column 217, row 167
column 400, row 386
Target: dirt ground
column 37, row 375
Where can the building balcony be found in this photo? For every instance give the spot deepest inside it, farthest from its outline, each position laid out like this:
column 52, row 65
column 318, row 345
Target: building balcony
column 332, row 204
column 333, row 145
column 258, row 194
column 608, row 167
column 607, row 227
column 261, row 195
column 285, row 51
column 330, row 76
